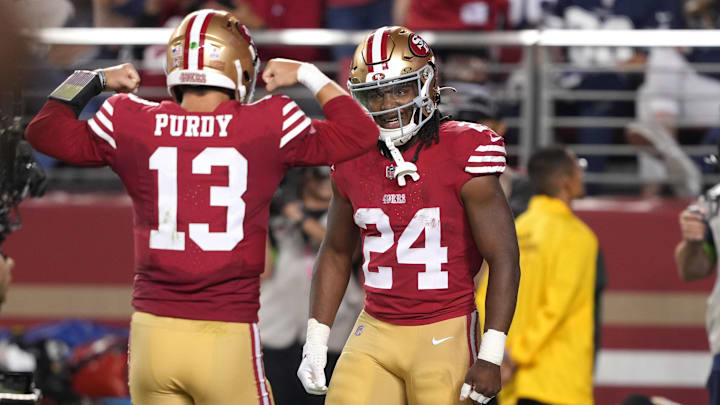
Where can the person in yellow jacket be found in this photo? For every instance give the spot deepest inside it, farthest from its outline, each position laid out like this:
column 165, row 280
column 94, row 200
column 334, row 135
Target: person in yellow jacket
column 549, row 357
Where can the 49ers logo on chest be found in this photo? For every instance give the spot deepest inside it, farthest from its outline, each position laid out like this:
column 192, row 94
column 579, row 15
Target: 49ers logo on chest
column 418, row 46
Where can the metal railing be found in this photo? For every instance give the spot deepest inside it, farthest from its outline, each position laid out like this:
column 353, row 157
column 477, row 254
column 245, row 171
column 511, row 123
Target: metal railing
column 537, row 122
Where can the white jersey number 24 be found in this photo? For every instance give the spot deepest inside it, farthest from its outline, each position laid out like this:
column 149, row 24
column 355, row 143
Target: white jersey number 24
column 432, row 255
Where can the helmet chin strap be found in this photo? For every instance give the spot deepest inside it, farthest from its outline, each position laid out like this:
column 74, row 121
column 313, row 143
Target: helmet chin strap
column 402, row 168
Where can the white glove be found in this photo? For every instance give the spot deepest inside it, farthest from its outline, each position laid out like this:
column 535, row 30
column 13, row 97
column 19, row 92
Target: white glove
column 312, row 367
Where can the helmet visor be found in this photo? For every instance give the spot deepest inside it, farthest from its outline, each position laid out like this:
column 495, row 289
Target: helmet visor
column 390, row 102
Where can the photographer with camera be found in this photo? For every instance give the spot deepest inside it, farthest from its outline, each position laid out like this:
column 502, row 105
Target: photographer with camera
column 696, row 258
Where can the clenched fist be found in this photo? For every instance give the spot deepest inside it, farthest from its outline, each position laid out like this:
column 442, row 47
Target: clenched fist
column 122, row 78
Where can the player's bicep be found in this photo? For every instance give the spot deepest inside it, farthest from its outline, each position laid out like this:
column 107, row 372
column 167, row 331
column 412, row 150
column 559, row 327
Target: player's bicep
column 55, row 131
column 490, row 218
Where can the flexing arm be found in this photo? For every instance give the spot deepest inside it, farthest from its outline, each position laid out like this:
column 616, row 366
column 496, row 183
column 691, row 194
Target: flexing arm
column 57, row 132
column 692, row 255
column 494, row 234
column 286, row 72
column 347, row 131
column 330, row 280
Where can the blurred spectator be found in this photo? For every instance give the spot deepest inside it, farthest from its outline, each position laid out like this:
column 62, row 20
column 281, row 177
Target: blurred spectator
column 550, row 342
column 526, row 14
column 600, row 15
column 674, row 91
column 280, row 14
column 696, row 258
column 354, row 15
column 453, row 15
column 284, row 305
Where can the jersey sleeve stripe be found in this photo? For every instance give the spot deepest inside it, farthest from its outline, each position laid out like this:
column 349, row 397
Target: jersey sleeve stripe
column 102, row 134
column 483, row 159
column 291, row 119
column 103, row 119
column 289, row 106
column 108, row 108
column 490, row 148
column 485, row 169
column 295, row 132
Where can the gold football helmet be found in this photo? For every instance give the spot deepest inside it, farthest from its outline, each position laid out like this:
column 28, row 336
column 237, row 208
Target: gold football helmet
column 393, row 65
column 212, row 48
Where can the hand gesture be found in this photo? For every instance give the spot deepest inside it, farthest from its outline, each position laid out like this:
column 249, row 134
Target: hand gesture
column 122, row 78
column 692, row 225
column 482, row 382
column 280, row 73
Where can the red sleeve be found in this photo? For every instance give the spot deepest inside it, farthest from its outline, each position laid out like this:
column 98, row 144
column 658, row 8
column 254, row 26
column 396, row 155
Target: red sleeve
column 55, row 131
column 347, row 133
column 480, row 151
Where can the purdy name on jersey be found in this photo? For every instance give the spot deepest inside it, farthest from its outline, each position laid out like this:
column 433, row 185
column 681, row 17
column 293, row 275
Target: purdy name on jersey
column 419, row 254
column 192, row 125
column 201, row 184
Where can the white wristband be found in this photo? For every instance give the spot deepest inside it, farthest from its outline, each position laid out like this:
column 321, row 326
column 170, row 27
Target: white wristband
column 311, row 77
column 492, row 346
column 317, row 333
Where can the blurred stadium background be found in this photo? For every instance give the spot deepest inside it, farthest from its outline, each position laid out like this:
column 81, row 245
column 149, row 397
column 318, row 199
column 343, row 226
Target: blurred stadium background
column 574, row 82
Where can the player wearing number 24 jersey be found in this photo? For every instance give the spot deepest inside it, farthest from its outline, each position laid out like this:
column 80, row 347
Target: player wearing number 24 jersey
column 427, row 209
column 201, row 171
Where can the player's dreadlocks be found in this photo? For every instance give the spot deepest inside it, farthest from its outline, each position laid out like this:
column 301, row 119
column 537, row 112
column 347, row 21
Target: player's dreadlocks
column 428, row 134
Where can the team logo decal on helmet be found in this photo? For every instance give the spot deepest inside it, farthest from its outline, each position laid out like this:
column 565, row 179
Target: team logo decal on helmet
column 418, row 46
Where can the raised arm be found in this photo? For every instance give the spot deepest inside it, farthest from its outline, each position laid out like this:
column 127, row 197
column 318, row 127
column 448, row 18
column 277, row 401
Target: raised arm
column 56, row 131
column 347, row 131
column 494, row 234
column 330, row 280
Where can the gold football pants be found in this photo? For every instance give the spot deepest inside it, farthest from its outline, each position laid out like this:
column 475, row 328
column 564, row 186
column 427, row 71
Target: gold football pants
column 389, row 364
column 184, row 362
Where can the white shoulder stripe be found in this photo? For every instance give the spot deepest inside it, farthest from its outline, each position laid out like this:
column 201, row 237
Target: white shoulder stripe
column 490, row 148
column 289, row 106
column 485, row 169
column 141, row 100
column 481, row 159
column 294, row 132
column 102, row 134
column 291, row 119
column 103, row 119
column 108, row 107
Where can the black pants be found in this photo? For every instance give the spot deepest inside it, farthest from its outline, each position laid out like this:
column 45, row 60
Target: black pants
column 281, row 370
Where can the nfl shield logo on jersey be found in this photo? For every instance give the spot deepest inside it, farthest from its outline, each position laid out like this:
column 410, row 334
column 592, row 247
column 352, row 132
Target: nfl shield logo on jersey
column 359, row 330
column 390, row 172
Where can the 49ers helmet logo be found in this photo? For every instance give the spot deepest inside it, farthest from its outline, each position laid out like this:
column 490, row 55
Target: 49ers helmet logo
column 378, row 76
column 418, row 46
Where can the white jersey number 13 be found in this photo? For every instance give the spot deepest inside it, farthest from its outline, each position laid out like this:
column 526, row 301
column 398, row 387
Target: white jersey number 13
column 166, row 237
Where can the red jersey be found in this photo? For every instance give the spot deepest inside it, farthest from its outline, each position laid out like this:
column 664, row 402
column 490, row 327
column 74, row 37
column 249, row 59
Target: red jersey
column 201, row 185
column 419, row 254
column 457, row 15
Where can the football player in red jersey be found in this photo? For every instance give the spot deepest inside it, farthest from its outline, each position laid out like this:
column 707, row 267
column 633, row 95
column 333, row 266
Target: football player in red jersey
column 201, row 172
column 428, row 208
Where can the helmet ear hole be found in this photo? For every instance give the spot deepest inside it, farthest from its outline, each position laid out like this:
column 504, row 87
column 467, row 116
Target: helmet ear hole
column 246, row 76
